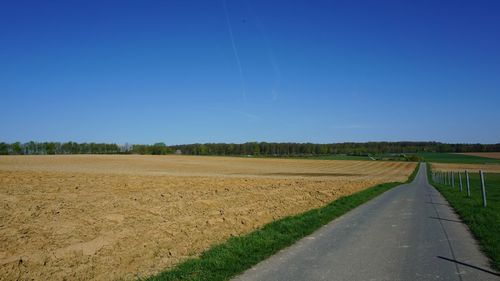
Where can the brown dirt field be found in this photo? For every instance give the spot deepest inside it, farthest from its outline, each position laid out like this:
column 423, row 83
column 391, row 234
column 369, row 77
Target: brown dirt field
column 87, row 217
column 487, row 168
column 494, row 155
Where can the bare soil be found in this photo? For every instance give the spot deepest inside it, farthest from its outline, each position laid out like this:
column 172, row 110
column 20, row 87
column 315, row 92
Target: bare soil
column 487, row 168
column 88, row 217
column 494, row 155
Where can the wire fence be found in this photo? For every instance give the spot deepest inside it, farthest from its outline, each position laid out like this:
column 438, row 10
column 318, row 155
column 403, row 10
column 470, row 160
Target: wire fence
column 449, row 178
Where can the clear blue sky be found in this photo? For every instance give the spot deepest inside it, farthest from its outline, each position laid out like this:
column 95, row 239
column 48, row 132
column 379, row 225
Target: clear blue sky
column 236, row 71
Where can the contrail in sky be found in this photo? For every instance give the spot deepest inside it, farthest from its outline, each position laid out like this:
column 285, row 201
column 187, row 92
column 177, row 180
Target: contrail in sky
column 270, row 53
column 235, row 51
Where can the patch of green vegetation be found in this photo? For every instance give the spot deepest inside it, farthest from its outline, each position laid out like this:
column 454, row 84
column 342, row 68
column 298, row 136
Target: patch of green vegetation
column 484, row 223
column 455, row 158
column 237, row 254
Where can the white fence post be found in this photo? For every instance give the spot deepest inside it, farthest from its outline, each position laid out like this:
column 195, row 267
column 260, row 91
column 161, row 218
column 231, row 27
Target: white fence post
column 460, row 181
column 483, row 189
column 467, row 182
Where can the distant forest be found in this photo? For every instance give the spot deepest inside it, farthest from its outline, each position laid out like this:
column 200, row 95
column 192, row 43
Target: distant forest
column 249, row 148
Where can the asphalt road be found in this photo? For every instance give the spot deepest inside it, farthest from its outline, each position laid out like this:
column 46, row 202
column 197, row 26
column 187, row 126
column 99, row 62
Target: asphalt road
column 407, row 233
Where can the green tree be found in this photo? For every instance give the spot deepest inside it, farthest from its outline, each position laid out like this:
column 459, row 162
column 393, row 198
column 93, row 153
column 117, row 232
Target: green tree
column 16, row 148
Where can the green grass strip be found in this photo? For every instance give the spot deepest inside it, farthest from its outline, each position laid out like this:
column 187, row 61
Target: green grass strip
column 484, row 223
column 237, row 254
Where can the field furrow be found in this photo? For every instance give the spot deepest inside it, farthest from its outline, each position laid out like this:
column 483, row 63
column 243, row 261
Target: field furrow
column 109, row 217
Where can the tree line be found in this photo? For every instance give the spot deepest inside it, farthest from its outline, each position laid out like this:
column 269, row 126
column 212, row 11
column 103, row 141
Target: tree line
column 31, row 148
column 249, row 148
column 350, row 148
column 40, row 148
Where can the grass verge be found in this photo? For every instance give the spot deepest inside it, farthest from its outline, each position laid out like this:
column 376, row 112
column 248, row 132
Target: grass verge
column 484, row 223
column 226, row 260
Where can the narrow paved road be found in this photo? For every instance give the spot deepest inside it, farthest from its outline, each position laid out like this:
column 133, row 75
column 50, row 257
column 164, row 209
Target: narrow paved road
column 408, row 233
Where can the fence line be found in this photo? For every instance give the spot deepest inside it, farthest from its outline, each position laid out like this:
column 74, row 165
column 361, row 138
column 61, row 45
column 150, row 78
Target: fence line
column 448, row 179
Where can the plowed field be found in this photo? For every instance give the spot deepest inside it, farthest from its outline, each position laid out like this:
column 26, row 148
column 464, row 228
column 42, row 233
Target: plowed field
column 117, row 217
column 494, row 155
column 487, row 168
